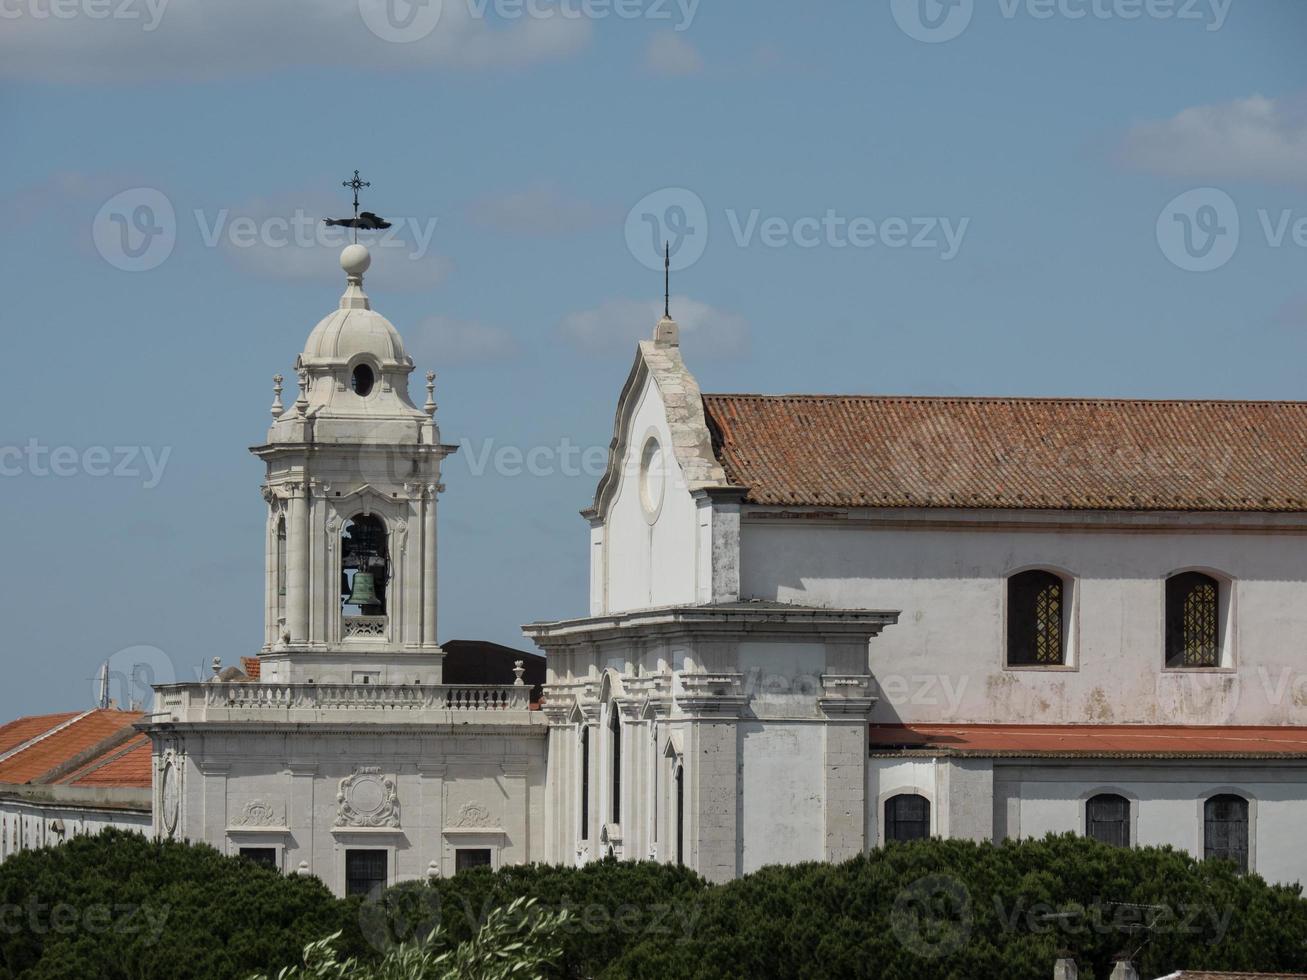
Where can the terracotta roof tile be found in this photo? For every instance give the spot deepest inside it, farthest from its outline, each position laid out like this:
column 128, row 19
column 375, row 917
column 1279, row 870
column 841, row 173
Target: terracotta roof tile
column 96, row 732
column 1208, row 975
column 252, row 666
column 1041, row 453
column 23, row 730
column 127, row 765
column 1094, row 741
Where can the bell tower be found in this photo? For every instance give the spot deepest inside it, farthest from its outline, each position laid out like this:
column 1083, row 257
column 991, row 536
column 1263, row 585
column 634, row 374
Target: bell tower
column 353, row 474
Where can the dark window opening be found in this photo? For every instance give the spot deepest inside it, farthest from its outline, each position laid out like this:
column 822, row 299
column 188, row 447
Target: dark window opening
column 1036, row 619
column 585, row 782
column 1107, row 819
column 1192, row 621
column 364, row 566
column 467, row 858
column 907, row 817
column 281, row 559
column 362, row 380
column 1225, row 829
column 263, row 856
column 615, row 727
column 366, row 873
column 680, row 814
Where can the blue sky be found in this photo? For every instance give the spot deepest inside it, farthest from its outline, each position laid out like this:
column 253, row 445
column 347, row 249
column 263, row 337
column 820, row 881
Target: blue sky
column 994, row 209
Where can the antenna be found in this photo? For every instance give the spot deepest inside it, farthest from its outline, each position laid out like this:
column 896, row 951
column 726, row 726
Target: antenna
column 104, row 684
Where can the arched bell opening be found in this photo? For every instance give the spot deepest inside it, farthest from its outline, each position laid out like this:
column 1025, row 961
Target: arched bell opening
column 364, row 567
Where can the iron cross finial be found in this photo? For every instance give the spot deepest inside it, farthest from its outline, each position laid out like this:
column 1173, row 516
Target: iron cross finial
column 357, row 185
column 667, row 281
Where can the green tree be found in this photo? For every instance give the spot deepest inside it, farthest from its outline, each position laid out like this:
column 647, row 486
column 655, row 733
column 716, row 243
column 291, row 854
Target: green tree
column 118, row 906
column 516, row 941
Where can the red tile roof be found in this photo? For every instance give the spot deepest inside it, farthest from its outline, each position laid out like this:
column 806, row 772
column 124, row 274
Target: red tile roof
column 128, row 765
column 76, row 743
column 252, row 666
column 17, row 732
column 1208, row 975
column 1044, row 453
column 1093, row 741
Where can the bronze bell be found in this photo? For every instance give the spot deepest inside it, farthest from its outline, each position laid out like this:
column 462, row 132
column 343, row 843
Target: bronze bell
column 364, row 591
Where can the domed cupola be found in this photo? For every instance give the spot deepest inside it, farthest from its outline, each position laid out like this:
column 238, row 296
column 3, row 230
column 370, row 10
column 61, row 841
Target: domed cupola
column 353, row 376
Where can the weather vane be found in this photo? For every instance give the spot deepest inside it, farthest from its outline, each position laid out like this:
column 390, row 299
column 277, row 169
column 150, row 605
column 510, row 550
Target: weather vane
column 362, row 219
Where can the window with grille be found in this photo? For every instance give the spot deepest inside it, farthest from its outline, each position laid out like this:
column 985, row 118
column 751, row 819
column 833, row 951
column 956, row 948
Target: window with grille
column 1107, row 819
column 1036, row 619
column 366, row 873
column 1193, row 614
column 907, row 817
column 467, row 858
column 1225, row 829
column 264, row 856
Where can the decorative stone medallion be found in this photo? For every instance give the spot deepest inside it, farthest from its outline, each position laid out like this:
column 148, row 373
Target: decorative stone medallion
column 260, row 813
column 367, row 799
column 171, row 797
column 473, row 815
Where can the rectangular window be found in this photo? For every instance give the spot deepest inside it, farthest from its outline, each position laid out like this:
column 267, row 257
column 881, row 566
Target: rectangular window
column 466, row 858
column 1107, row 819
column 366, row 873
column 264, row 856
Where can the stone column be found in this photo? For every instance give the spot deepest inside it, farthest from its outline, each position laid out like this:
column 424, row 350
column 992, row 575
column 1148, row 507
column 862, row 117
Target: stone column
column 846, row 704
column 297, row 566
column 712, row 704
column 429, row 636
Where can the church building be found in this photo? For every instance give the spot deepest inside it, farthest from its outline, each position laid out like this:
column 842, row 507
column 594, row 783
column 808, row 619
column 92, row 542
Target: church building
column 816, row 624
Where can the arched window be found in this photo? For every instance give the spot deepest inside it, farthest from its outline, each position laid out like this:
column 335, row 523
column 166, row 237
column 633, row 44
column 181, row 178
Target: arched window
column 1107, row 819
column 585, row 781
column 907, row 817
column 1036, row 619
column 680, row 814
column 1225, row 829
column 281, row 568
column 1193, row 620
column 364, row 565
column 615, row 730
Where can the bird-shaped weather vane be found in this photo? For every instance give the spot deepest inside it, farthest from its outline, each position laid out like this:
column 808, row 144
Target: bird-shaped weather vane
column 362, row 219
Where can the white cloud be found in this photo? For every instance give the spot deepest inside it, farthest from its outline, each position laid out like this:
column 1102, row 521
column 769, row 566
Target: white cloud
column 616, row 326
column 446, row 340
column 147, row 40
column 541, row 209
column 671, row 54
column 1254, row 138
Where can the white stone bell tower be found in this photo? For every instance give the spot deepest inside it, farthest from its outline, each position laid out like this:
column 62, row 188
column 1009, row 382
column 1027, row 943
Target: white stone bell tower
column 353, row 473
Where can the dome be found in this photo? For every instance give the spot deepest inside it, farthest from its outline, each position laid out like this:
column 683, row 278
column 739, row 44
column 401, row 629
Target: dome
column 343, row 334
column 355, row 328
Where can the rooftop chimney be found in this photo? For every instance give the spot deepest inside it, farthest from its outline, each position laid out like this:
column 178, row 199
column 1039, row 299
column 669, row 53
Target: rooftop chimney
column 1124, row 969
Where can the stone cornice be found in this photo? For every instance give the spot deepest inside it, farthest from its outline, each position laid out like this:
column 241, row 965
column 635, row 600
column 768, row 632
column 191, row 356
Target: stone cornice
column 753, row 619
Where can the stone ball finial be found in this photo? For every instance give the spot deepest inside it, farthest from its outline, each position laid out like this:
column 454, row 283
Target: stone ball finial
column 355, row 260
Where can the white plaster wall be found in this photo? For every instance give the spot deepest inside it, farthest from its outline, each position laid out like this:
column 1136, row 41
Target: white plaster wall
column 646, row 564
column 781, row 796
column 1166, row 806
column 944, row 660
column 27, row 825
